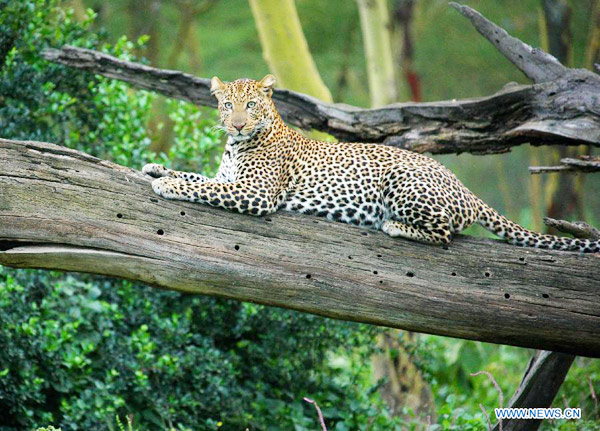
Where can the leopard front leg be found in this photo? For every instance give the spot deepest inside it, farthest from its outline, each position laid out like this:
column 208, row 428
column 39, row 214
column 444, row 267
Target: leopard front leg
column 158, row 171
column 241, row 196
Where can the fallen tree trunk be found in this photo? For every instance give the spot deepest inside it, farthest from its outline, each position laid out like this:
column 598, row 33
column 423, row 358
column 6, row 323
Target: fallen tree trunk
column 561, row 108
column 62, row 209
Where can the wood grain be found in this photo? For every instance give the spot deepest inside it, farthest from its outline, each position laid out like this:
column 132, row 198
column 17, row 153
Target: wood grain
column 63, row 209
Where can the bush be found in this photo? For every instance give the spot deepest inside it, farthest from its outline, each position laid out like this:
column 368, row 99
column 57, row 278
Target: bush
column 79, row 350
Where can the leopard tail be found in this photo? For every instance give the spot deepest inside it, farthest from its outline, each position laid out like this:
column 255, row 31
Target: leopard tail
column 515, row 234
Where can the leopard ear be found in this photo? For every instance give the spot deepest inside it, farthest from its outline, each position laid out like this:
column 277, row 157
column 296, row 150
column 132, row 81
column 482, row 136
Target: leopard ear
column 266, row 84
column 216, row 87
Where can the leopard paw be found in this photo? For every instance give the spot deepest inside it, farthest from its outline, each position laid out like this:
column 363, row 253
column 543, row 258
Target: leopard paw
column 166, row 187
column 155, row 170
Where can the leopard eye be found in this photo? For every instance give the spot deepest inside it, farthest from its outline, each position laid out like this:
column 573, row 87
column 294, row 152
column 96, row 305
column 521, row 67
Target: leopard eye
column 228, row 105
column 251, row 104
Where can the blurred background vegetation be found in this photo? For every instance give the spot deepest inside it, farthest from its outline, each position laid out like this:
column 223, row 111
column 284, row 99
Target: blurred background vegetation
column 78, row 350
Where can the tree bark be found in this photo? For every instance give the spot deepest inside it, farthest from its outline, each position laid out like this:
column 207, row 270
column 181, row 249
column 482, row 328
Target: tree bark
column 62, row 209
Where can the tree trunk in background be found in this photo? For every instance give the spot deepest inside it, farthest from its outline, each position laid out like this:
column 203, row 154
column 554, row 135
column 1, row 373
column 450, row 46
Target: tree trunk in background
column 404, row 385
column 78, row 9
column 285, row 49
column 375, row 25
column 402, row 14
column 564, row 191
column 189, row 10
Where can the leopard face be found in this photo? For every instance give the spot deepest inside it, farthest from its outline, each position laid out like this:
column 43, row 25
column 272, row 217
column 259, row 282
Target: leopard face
column 245, row 106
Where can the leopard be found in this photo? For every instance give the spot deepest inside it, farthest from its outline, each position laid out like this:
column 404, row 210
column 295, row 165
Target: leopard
column 268, row 166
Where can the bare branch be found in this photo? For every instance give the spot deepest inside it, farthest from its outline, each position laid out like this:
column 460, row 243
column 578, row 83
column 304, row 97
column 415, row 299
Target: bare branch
column 533, row 62
column 321, row 420
column 578, row 229
column 583, row 164
column 563, row 112
column 500, row 395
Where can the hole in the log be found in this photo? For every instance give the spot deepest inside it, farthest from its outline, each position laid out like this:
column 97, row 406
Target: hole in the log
column 497, row 40
column 445, row 247
column 487, row 274
column 507, row 295
column 119, row 215
column 545, row 295
column 375, row 272
column 454, row 274
column 350, row 257
column 364, row 233
column 268, row 219
column 237, row 247
column 308, row 276
column 160, row 232
column 410, row 274
column 182, row 213
column 380, row 281
column 379, row 255
column 522, row 259
column 316, row 221
column 154, row 200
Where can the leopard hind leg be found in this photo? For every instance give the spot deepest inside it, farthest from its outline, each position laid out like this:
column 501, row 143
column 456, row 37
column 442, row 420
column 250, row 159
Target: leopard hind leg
column 436, row 231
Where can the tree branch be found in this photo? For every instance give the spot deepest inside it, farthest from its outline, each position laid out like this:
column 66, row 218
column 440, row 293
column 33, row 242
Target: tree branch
column 544, row 377
column 536, row 64
column 578, row 229
column 559, row 112
column 62, row 209
column 583, row 164
column 560, row 109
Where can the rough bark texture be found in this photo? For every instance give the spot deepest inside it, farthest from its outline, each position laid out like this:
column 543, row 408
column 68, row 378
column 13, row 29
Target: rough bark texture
column 561, row 108
column 62, row 209
column 546, row 371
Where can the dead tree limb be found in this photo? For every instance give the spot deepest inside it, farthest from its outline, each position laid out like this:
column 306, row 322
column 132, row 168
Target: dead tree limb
column 561, row 108
column 582, row 164
column 578, row 229
column 544, row 376
column 62, row 209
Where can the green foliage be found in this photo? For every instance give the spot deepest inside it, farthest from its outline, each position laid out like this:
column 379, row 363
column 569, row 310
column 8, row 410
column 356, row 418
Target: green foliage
column 197, row 146
column 79, row 350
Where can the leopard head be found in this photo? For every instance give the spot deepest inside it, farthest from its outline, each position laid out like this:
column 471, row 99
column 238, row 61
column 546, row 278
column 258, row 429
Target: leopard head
column 245, row 105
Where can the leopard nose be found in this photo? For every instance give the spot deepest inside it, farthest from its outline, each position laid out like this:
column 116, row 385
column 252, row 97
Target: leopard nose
column 239, row 126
